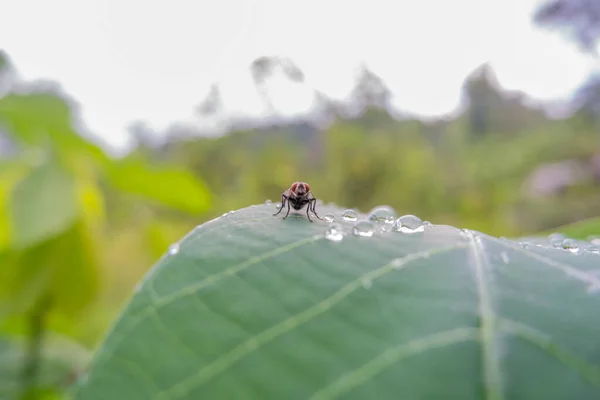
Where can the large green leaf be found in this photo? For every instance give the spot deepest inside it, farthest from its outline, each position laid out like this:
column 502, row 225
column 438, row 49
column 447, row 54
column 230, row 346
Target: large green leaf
column 250, row 306
column 172, row 187
column 61, row 361
column 43, row 205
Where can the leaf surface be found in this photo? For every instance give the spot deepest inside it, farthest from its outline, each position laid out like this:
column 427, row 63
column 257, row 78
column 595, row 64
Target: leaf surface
column 250, row 306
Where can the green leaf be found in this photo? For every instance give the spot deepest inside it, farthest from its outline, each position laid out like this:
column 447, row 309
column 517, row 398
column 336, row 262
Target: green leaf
column 255, row 307
column 171, row 187
column 62, row 360
column 10, row 175
column 579, row 230
column 64, row 267
column 43, row 205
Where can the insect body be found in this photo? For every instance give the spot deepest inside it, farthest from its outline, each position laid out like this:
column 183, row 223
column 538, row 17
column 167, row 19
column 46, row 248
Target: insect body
column 296, row 197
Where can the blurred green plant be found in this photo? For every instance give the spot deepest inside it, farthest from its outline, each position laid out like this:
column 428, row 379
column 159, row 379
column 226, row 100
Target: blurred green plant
column 53, row 217
column 60, row 361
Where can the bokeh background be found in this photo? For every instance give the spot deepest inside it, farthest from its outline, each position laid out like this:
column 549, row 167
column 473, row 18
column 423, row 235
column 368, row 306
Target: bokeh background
column 124, row 125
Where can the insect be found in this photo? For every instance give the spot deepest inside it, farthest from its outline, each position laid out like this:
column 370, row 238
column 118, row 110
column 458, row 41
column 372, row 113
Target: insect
column 297, row 196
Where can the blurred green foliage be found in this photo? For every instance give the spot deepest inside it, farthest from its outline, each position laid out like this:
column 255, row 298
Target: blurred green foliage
column 54, row 227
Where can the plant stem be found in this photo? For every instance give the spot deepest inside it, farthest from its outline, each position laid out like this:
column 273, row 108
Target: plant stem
column 33, row 356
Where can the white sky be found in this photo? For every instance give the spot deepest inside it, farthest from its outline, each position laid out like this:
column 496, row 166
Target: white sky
column 153, row 60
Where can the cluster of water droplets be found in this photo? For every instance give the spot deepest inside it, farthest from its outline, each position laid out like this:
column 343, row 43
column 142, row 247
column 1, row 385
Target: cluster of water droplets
column 592, row 245
column 559, row 241
column 380, row 220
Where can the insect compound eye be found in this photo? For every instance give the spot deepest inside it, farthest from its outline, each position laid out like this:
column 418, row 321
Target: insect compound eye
column 307, row 187
column 294, row 186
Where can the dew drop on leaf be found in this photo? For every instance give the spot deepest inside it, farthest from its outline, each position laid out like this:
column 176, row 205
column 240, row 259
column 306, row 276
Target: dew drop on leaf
column 363, row 228
column 382, row 215
column 329, row 217
column 334, row 233
column 173, row 249
column 350, row 215
column 409, row 224
column 556, row 240
column 570, row 245
column 268, row 201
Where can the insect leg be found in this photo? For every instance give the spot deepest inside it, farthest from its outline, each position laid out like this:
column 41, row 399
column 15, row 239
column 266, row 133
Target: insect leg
column 288, row 211
column 283, row 199
column 307, row 210
column 314, row 203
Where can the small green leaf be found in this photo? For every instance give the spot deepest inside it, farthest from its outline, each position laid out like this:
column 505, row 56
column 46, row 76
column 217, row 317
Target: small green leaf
column 43, row 205
column 171, row 187
column 250, row 306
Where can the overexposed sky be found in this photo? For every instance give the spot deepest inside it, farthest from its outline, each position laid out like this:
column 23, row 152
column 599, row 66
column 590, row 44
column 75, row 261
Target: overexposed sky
column 154, row 60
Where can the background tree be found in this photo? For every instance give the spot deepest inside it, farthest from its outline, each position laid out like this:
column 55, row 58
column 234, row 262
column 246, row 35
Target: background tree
column 264, row 68
column 579, row 19
column 580, row 22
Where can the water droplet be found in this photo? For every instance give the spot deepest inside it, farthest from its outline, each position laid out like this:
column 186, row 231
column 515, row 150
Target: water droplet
column 570, row 245
column 556, row 236
column 427, row 223
column 409, row 224
column 382, row 215
column 556, row 240
column 593, row 249
column 367, row 283
column 268, row 201
column 329, row 217
column 278, row 205
column 334, row 233
column 350, row 215
column 173, row 249
column 504, row 257
column 363, row 228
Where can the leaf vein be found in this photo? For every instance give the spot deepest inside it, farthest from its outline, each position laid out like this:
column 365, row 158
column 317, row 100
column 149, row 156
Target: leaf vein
column 190, row 290
column 252, row 344
column 393, row 355
column 573, row 272
column 590, row 372
column 491, row 368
